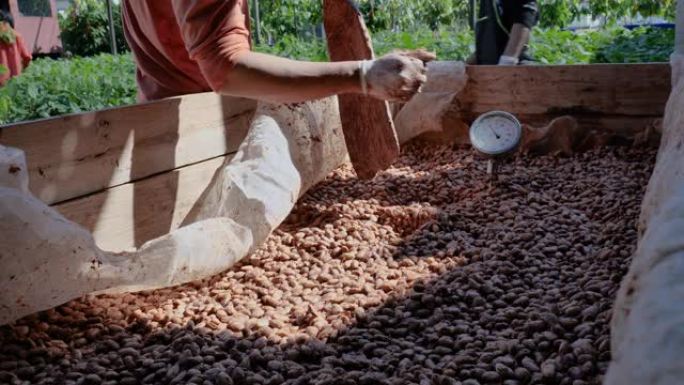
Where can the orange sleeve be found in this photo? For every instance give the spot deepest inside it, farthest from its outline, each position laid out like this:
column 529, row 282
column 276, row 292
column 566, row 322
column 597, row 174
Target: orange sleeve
column 214, row 31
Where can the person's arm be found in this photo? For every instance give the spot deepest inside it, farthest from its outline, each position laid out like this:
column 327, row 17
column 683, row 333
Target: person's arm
column 525, row 17
column 392, row 77
column 216, row 35
column 517, row 40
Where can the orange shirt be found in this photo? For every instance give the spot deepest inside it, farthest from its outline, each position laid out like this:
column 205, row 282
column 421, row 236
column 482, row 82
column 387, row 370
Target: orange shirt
column 184, row 46
column 15, row 57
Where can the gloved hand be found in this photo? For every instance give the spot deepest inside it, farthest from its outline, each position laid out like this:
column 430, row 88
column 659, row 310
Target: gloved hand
column 396, row 76
column 508, row 60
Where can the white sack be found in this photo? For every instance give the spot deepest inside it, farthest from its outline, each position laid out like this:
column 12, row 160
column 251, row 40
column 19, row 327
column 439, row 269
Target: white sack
column 13, row 172
column 648, row 318
column 46, row 260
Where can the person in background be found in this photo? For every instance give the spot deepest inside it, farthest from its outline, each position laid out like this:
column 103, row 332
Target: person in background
column 503, row 31
column 14, row 57
column 191, row 46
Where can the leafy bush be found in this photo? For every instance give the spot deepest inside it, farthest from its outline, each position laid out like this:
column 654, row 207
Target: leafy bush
column 394, row 15
column 57, row 87
column 449, row 45
column 288, row 17
column 7, row 35
column 35, row 8
column 637, row 46
column 611, row 45
column 289, row 46
column 548, row 46
column 298, row 17
column 554, row 46
column 85, row 28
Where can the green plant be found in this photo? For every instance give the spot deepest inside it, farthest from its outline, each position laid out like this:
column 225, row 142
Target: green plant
column 289, row 17
column 85, row 28
column 300, row 17
column 56, row 87
column 395, row 15
column 558, row 13
column 555, row 46
column 613, row 10
column 7, row 35
column 636, row 46
column 548, row 46
column 35, row 7
column 289, row 46
column 449, row 45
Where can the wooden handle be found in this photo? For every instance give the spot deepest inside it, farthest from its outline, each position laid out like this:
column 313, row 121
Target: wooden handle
column 367, row 123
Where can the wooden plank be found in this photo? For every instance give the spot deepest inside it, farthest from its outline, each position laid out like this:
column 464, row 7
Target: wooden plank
column 368, row 129
column 455, row 130
column 620, row 100
column 128, row 215
column 596, row 89
column 80, row 154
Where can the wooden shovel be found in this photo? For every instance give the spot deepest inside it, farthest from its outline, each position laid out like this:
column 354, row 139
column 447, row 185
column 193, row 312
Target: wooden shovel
column 367, row 122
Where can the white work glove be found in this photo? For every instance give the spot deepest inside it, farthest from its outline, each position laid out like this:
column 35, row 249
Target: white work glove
column 396, row 76
column 508, row 60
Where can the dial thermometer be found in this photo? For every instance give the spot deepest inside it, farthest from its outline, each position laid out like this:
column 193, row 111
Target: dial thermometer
column 495, row 134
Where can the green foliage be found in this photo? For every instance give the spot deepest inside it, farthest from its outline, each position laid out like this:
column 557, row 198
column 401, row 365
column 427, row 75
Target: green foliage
column 299, row 17
column 449, row 45
column 310, row 49
column 289, row 17
column 35, row 7
column 555, row 46
column 7, row 35
column 455, row 46
column 57, row 87
column 616, row 9
column 560, row 13
column 382, row 15
column 85, row 28
column 548, row 46
column 637, row 46
column 609, row 45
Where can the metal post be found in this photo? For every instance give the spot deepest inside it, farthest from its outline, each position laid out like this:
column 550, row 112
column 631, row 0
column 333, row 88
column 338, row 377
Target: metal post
column 257, row 20
column 112, row 33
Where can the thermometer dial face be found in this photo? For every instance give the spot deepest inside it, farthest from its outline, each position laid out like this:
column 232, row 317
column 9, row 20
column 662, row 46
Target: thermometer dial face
column 496, row 133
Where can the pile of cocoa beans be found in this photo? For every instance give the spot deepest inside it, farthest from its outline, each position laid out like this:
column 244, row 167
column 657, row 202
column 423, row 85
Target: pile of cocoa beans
column 427, row 274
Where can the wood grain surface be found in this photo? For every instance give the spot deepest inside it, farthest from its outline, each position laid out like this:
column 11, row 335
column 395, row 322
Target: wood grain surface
column 367, row 123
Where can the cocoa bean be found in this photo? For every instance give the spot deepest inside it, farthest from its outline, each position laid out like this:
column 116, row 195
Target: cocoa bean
column 426, row 274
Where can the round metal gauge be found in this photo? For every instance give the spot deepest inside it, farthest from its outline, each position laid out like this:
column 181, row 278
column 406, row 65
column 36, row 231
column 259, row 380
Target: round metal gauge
column 496, row 133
